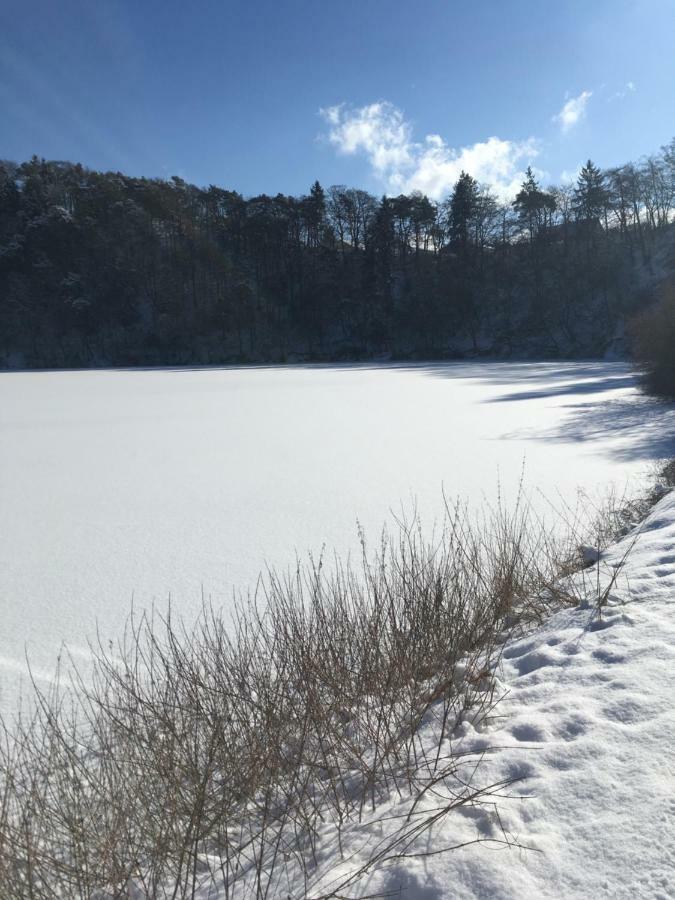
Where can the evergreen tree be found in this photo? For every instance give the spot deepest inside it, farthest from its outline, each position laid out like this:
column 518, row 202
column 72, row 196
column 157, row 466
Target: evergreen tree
column 590, row 194
column 534, row 207
column 314, row 211
column 463, row 203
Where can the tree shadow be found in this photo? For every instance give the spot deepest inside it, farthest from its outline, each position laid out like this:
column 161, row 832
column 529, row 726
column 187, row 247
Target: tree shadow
column 639, row 427
column 587, row 374
column 631, row 426
column 491, row 371
column 595, row 386
column 401, row 881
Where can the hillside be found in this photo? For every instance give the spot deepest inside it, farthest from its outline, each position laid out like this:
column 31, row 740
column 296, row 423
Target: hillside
column 103, row 269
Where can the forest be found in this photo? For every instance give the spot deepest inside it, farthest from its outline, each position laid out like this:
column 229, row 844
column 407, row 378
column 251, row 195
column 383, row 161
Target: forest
column 104, row 269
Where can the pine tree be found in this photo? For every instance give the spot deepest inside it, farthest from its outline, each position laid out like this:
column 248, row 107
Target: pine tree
column 314, row 210
column 533, row 206
column 463, row 205
column 590, row 194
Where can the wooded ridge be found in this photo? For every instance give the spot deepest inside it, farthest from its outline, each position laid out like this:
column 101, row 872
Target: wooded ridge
column 106, row 269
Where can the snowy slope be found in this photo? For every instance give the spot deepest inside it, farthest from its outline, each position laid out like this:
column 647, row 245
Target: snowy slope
column 588, row 723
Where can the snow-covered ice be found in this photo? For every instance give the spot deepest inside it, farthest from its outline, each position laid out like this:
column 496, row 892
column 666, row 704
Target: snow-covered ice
column 145, row 484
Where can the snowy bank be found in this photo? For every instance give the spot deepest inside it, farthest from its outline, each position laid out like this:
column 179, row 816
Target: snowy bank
column 588, row 723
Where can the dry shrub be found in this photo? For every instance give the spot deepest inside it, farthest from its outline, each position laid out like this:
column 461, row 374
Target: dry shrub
column 654, row 342
column 233, row 754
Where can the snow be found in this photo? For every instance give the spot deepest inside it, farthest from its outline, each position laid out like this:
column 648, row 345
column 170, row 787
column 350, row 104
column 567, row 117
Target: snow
column 115, row 483
column 148, row 484
column 591, row 698
column 586, row 728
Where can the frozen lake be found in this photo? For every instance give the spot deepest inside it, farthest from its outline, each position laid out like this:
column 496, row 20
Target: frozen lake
column 150, row 484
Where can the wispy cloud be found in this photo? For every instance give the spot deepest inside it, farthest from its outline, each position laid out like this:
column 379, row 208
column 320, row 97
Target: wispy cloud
column 628, row 88
column 573, row 111
column 381, row 132
column 568, row 177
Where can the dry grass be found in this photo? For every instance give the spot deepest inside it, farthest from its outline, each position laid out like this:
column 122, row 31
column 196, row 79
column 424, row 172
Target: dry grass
column 225, row 755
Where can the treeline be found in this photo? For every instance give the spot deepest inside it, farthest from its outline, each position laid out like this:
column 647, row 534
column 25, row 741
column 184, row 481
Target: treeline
column 104, row 269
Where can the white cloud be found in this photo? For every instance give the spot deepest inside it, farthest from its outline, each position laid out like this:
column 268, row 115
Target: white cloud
column 380, row 131
column 573, row 111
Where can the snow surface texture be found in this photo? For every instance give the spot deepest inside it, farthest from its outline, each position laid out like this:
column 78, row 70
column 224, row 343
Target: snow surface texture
column 587, row 725
column 593, row 699
column 145, row 484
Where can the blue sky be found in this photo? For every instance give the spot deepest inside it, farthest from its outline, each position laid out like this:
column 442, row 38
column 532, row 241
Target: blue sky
column 380, row 94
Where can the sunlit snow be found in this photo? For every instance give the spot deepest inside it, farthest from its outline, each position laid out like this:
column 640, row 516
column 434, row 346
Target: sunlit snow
column 582, row 746
column 121, row 485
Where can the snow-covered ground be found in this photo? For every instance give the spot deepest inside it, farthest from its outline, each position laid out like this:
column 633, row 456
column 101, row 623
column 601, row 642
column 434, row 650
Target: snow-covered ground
column 145, row 484
column 588, row 723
